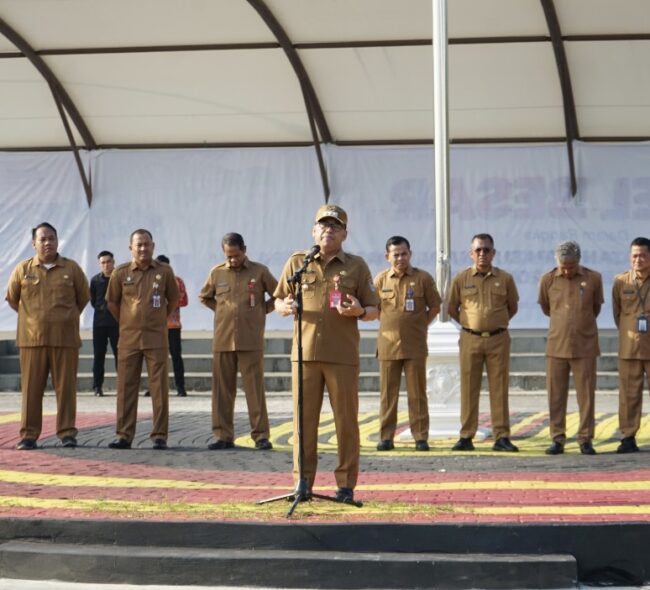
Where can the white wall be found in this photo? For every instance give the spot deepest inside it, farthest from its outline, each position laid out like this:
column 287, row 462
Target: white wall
column 190, row 198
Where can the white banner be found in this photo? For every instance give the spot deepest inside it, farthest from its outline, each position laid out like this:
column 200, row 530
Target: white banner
column 189, row 198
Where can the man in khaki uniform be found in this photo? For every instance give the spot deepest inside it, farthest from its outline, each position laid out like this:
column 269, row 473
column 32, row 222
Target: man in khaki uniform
column 337, row 291
column 483, row 299
column 409, row 302
column 235, row 290
column 631, row 306
column 571, row 295
column 141, row 294
column 49, row 293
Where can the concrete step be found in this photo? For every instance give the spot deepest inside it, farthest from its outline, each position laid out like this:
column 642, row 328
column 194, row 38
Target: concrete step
column 281, row 568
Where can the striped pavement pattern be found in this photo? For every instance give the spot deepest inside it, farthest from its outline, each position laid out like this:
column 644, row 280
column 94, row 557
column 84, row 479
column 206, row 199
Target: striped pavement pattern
column 62, row 483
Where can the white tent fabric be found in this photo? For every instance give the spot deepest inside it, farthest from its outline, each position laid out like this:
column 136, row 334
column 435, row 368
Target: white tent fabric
column 190, row 198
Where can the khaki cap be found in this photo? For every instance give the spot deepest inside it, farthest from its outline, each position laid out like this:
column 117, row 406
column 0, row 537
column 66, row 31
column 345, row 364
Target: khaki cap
column 333, row 211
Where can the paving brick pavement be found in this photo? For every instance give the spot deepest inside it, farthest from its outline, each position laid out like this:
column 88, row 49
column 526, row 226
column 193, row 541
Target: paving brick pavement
column 191, row 483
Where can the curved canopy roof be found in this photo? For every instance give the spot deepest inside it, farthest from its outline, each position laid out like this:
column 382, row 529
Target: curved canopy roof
column 246, row 72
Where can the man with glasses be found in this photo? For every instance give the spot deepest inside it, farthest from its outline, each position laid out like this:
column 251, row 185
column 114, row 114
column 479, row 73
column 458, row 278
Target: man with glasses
column 631, row 306
column 338, row 292
column 571, row 295
column 483, row 299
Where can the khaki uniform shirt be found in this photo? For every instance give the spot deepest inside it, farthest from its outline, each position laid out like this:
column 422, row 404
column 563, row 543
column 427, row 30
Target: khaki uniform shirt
column 483, row 300
column 327, row 335
column 49, row 302
column 403, row 334
column 238, row 321
column 572, row 305
column 143, row 326
column 627, row 308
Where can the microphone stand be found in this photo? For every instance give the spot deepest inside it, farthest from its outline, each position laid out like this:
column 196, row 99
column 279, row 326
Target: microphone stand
column 301, row 493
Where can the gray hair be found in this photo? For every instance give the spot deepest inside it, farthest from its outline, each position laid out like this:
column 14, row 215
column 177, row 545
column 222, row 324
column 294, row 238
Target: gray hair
column 568, row 251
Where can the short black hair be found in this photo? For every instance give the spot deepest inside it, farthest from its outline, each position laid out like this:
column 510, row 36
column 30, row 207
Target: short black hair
column 43, row 224
column 140, row 231
column 641, row 242
column 162, row 258
column 233, row 239
column 396, row 241
column 483, row 237
column 105, row 253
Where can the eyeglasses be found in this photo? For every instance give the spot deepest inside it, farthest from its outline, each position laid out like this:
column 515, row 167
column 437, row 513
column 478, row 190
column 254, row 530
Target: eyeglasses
column 482, row 250
column 335, row 227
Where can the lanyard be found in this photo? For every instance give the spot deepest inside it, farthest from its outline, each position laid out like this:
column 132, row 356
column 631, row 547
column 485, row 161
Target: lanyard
column 642, row 297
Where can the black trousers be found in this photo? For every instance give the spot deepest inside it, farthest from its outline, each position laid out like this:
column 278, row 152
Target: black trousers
column 175, row 350
column 102, row 335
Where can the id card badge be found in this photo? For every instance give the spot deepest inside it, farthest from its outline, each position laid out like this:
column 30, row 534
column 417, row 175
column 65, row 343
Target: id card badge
column 155, row 300
column 642, row 324
column 335, row 295
column 409, row 303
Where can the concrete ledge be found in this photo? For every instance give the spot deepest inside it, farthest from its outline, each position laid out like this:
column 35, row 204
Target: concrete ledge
column 604, row 553
column 281, row 568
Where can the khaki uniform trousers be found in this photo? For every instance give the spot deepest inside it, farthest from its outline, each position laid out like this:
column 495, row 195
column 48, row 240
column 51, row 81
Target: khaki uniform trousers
column 630, row 395
column 557, row 386
column 35, row 364
column 416, row 391
column 129, row 369
column 494, row 353
column 224, row 391
column 342, row 383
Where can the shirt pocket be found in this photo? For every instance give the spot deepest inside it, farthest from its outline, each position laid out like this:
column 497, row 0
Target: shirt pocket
column 388, row 300
column 221, row 294
column 308, row 285
column 63, row 292
column 498, row 295
column 630, row 302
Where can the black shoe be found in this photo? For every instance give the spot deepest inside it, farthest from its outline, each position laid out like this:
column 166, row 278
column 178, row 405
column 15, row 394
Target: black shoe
column 26, row 444
column 503, row 444
column 221, row 445
column 120, row 443
column 70, row 442
column 99, row 392
column 345, row 495
column 181, row 392
column 385, row 445
column 146, row 394
column 556, row 448
column 628, row 445
column 586, row 448
column 421, row 445
column 160, row 444
column 463, row 444
column 264, row 444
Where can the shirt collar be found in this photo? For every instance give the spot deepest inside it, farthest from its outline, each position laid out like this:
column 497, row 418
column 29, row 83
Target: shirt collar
column 154, row 264
column 243, row 264
column 579, row 271
column 493, row 271
column 58, row 261
column 409, row 272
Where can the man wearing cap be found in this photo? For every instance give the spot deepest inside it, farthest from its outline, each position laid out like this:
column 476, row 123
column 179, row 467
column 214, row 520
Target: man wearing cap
column 337, row 292
column 141, row 295
column 631, row 306
column 49, row 292
column 409, row 302
column 571, row 295
column 483, row 299
column 236, row 291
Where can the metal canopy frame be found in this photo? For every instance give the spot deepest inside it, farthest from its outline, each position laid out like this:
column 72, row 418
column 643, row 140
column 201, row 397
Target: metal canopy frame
column 317, row 121
column 64, row 103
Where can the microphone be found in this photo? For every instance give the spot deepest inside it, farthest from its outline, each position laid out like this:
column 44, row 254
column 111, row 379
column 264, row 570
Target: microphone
column 311, row 254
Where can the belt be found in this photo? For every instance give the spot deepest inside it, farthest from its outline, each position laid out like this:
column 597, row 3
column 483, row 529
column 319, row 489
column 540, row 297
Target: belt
column 484, row 334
